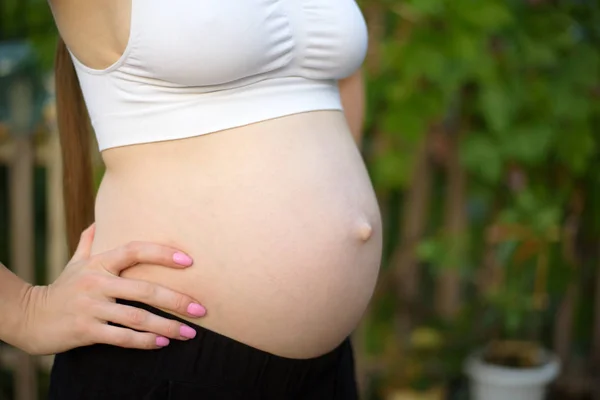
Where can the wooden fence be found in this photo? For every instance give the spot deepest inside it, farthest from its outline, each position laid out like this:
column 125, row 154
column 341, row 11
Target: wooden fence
column 21, row 155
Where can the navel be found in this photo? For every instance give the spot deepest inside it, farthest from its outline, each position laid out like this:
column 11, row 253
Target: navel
column 365, row 231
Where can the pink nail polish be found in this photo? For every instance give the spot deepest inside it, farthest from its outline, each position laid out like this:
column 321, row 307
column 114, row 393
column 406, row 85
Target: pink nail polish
column 196, row 310
column 182, row 259
column 162, row 341
column 187, row 332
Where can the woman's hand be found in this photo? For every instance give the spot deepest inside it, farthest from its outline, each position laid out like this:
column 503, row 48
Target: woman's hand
column 74, row 310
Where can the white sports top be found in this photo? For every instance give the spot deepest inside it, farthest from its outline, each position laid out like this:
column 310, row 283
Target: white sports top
column 193, row 67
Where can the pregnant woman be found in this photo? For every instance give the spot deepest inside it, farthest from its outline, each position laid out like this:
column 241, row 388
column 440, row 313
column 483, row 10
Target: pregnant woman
column 222, row 130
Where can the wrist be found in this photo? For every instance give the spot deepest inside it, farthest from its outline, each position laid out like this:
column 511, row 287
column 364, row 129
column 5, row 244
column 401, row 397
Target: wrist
column 17, row 302
column 23, row 323
column 30, row 302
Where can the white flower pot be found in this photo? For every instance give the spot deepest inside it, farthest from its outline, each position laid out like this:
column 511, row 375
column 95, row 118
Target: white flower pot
column 493, row 382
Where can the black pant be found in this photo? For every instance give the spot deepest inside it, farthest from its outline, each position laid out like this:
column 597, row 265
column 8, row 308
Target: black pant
column 210, row 366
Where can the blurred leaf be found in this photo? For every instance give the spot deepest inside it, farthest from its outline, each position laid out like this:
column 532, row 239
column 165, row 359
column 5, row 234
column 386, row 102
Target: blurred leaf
column 489, row 14
column 426, row 338
column 481, row 157
column 528, row 144
column 426, row 7
column 429, row 250
column 534, row 52
column 421, row 60
column 392, row 169
column 410, row 126
column 576, row 146
column 496, row 106
column 465, row 46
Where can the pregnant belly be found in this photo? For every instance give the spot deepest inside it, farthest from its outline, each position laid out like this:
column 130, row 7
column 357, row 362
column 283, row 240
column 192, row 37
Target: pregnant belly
column 280, row 218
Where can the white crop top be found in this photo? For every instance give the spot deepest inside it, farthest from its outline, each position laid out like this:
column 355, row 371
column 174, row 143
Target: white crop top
column 193, row 67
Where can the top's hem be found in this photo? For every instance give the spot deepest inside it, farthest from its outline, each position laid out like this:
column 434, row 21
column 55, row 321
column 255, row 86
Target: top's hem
column 218, row 112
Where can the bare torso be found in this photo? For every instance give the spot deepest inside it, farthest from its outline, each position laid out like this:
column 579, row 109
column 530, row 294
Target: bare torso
column 279, row 216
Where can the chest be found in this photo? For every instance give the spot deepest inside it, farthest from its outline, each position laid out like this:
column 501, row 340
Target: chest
column 213, row 42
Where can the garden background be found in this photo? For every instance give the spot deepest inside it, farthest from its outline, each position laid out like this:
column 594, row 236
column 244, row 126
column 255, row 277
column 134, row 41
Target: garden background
column 481, row 138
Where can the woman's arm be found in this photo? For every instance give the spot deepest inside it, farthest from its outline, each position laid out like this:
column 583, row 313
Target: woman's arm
column 72, row 311
column 13, row 297
column 352, row 92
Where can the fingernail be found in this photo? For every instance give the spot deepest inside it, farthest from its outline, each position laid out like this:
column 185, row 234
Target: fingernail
column 182, row 259
column 162, row 341
column 187, row 332
column 196, row 310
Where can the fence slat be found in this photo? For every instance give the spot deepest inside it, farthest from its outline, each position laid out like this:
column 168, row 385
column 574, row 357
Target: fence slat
column 22, row 247
column 448, row 287
column 563, row 325
column 413, row 223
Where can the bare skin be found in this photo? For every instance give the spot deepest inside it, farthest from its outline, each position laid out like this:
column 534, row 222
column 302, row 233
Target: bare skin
column 73, row 310
column 280, row 216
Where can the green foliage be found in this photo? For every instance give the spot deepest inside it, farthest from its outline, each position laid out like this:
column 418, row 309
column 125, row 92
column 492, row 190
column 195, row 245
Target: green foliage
column 518, row 82
column 522, row 75
column 30, row 19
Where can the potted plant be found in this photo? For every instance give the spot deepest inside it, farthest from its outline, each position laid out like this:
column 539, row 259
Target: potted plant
column 515, row 365
column 511, row 370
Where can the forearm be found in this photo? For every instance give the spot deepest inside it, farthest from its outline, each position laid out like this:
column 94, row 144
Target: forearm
column 352, row 92
column 14, row 296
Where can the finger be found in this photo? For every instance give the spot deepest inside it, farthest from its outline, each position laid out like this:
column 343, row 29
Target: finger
column 154, row 295
column 115, row 261
column 85, row 244
column 123, row 337
column 145, row 321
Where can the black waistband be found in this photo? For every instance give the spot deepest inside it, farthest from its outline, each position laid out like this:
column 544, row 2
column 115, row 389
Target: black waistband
column 210, row 360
